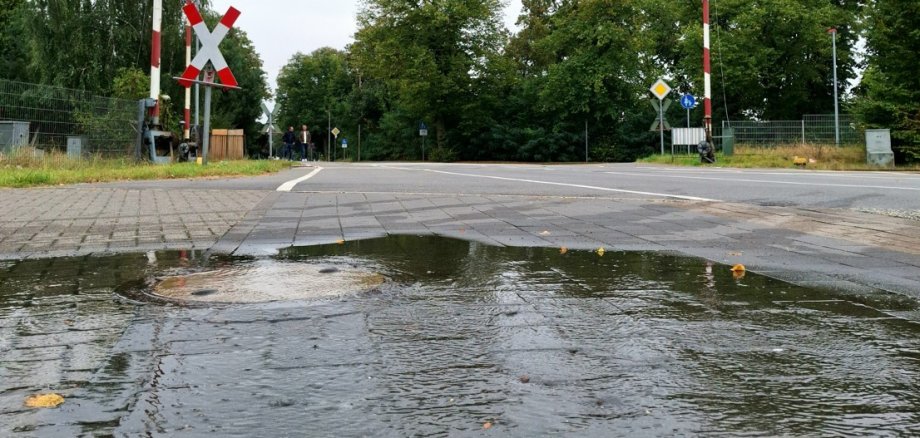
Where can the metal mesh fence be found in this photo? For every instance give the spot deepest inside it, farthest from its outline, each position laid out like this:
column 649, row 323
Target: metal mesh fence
column 43, row 118
column 812, row 129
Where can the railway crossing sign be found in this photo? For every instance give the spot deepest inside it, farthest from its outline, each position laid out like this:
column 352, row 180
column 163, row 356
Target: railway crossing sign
column 209, row 50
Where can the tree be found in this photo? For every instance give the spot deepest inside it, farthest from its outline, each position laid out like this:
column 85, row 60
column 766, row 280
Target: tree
column 13, row 51
column 890, row 89
column 776, row 55
column 313, row 89
column 429, row 57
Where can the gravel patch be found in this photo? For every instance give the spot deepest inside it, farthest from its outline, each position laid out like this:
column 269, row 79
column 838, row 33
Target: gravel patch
column 904, row 214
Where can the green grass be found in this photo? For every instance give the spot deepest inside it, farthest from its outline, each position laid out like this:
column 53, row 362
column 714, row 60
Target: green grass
column 24, row 170
column 821, row 157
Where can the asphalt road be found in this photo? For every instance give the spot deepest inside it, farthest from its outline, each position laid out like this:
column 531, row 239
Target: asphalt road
column 897, row 191
column 851, row 190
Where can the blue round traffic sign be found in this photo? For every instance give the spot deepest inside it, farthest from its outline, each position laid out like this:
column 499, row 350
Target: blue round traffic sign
column 687, row 101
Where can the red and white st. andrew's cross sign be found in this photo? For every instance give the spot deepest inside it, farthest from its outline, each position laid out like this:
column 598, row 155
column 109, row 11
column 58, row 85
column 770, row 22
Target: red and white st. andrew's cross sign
column 209, row 41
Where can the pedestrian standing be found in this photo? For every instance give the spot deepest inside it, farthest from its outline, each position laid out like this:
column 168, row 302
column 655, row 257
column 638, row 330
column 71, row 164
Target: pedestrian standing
column 289, row 138
column 304, row 141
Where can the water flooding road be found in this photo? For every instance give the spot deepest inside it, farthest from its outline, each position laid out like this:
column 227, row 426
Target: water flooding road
column 460, row 334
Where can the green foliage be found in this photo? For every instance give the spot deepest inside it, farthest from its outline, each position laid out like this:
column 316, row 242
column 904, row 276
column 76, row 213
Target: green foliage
column 13, row 51
column 27, row 170
column 313, row 90
column 890, row 90
column 130, row 83
column 103, row 47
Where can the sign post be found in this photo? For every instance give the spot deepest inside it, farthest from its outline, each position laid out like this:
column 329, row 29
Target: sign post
column 335, row 134
column 344, row 148
column 270, row 129
column 423, row 132
column 660, row 89
column 688, row 102
column 209, row 53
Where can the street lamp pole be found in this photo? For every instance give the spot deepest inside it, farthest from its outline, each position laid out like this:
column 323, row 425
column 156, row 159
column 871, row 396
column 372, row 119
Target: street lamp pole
column 833, row 32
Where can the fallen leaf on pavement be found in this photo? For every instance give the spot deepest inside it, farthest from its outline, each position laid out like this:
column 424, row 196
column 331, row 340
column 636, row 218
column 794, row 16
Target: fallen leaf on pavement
column 487, row 425
column 563, row 250
column 44, row 401
column 601, row 251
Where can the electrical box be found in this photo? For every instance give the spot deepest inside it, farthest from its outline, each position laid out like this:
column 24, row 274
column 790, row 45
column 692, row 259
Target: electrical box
column 75, row 147
column 13, row 135
column 878, row 148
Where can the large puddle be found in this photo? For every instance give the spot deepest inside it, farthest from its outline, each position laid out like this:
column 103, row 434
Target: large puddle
column 428, row 336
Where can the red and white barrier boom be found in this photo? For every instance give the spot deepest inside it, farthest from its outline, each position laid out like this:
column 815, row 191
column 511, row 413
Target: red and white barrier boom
column 155, row 61
column 186, row 134
column 209, row 50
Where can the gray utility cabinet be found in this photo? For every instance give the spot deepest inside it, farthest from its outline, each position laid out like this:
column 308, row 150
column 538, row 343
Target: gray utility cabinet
column 878, row 147
column 13, row 134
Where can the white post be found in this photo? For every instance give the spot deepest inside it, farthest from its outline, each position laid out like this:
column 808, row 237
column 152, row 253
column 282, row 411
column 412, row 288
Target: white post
column 206, row 141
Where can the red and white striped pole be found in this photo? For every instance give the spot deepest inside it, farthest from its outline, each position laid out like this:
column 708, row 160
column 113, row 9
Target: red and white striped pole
column 188, row 91
column 707, row 75
column 155, row 61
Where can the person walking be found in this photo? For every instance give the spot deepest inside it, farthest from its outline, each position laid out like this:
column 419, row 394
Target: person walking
column 289, row 138
column 304, row 141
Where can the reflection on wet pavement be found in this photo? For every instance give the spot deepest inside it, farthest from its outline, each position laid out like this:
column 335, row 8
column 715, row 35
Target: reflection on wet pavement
column 462, row 334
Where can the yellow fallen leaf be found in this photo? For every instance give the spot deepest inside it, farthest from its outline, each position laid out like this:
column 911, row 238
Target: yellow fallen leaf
column 563, row 250
column 340, row 242
column 44, row 401
column 738, row 268
column 738, row 275
column 601, row 251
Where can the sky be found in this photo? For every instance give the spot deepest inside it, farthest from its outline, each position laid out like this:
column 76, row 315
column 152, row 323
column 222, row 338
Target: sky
column 281, row 28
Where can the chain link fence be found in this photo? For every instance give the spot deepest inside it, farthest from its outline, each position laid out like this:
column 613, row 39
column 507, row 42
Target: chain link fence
column 42, row 119
column 812, row 129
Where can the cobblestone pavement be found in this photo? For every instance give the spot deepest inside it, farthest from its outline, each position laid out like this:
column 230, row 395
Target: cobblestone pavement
column 86, row 220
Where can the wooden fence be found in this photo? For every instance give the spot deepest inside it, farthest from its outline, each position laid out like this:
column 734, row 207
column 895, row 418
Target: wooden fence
column 226, row 144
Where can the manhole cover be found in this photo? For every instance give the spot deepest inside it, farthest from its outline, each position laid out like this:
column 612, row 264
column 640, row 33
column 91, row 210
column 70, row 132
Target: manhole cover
column 267, row 280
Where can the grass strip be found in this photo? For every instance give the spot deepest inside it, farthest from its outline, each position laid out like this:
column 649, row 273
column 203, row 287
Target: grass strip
column 55, row 169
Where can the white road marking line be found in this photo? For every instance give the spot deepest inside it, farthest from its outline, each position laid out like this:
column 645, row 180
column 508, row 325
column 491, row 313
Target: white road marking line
column 810, row 173
column 550, row 183
column 764, row 181
column 288, row 186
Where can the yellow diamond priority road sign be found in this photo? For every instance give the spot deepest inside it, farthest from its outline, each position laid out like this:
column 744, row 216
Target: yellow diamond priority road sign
column 660, row 89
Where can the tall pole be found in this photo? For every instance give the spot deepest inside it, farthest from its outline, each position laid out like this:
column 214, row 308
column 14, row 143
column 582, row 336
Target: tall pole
column 359, row 142
column 833, row 32
column 328, row 133
column 188, row 91
column 155, row 61
column 661, row 123
column 586, row 140
column 197, row 87
column 206, row 141
column 707, row 75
